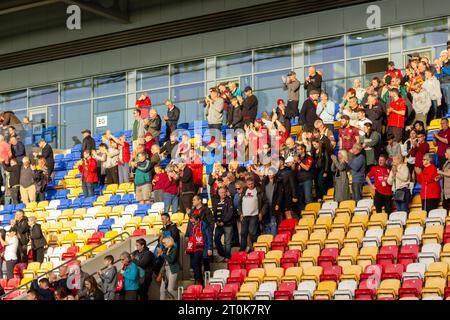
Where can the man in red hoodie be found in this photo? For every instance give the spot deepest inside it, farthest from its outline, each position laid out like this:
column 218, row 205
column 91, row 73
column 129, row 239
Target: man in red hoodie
column 144, row 103
column 88, row 170
column 383, row 190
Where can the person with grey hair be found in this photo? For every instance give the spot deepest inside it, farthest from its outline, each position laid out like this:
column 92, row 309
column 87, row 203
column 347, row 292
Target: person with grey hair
column 38, row 242
column 428, row 177
column 357, row 165
column 27, row 185
column 130, row 274
column 400, row 178
column 173, row 114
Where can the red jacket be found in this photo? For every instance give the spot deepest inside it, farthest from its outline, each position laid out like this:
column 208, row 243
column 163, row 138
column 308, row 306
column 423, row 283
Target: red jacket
column 126, row 156
column 431, row 188
column 89, row 171
column 419, row 152
column 160, row 180
column 141, row 104
column 148, row 147
column 197, row 172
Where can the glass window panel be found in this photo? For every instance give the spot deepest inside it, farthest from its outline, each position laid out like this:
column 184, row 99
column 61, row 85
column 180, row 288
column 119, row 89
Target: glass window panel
column 330, row 71
column 153, row 78
column 186, row 72
column 234, row 64
column 109, row 85
column 76, row 117
column 245, row 82
column 437, row 51
column 367, row 43
column 76, row 90
column 210, row 68
column 43, row 96
column 335, row 89
column 396, row 39
column 189, row 92
column 156, row 96
column 267, row 99
column 189, row 111
column 425, row 34
column 113, row 109
column 269, row 80
column 273, row 58
column 13, row 100
column 324, row 50
column 353, row 68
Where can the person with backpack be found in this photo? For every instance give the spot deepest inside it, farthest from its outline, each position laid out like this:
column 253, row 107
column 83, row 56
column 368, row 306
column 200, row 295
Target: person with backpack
column 128, row 284
column 145, row 261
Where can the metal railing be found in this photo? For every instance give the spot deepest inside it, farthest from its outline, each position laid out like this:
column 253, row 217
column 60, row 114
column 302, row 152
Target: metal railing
column 25, row 285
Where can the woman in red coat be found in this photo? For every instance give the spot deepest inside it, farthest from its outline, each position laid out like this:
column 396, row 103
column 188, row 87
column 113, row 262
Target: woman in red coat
column 88, row 170
column 144, row 103
column 195, row 164
column 428, row 177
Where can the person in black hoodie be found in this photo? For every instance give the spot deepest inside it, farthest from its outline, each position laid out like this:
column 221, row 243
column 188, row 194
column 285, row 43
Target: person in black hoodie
column 308, row 113
column 249, row 107
column 88, row 142
column 235, row 119
column 273, row 188
column 187, row 189
column 322, row 167
column 14, row 179
column 173, row 114
column 287, row 179
column 43, row 289
column 145, row 259
column 224, row 218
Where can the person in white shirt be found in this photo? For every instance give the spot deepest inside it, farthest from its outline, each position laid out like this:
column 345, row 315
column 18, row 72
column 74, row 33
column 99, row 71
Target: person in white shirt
column 11, row 244
column 433, row 87
column 360, row 92
column 362, row 120
column 325, row 110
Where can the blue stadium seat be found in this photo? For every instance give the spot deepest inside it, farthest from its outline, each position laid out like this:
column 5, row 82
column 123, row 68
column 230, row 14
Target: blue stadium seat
column 50, row 193
column 20, row 206
column 104, row 229
column 114, row 200
column 88, row 202
column 127, row 199
column 9, row 208
column 59, row 157
column 98, row 190
column 64, row 203
column 77, row 203
column 76, row 148
column 142, row 209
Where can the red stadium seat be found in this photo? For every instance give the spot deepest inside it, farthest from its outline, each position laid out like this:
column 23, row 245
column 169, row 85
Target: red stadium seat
column 285, row 291
column 68, row 255
column 393, row 271
column 408, row 254
column 192, row 292
column 14, row 295
column 18, row 269
column 139, row 233
column 332, row 273
column 447, row 292
column 229, row 291
column 98, row 234
column 237, row 276
column 367, row 289
column 387, row 255
column 288, row 225
column 210, row 292
column 411, row 288
column 281, row 240
column 372, row 270
column 94, row 241
column 74, row 249
column 254, row 260
column 12, row 283
column 237, row 260
column 328, row 257
column 290, row 258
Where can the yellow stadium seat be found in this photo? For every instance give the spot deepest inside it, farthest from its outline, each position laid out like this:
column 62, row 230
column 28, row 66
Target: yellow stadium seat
column 272, row 257
column 416, row 218
column 341, row 222
column 367, row 192
column 346, row 207
column 325, row 290
column 445, row 254
column 274, row 274
column 335, row 239
column 71, row 174
column 69, row 239
column 347, row 256
column 101, row 200
column 82, row 239
column 351, row 272
column 66, row 215
column 416, row 202
column 117, row 211
column 392, row 237
column 263, row 242
column 67, row 226
column 435, row 124
column 84, row 249
column 26, row 281
column 305, row 223
column 437, row 269
column 388, row 288
column 311, row 210
column 354, row 238
column 359, row 221
column 433, row 234
column 255, row 275
column 292, row 274
column 31, row 269
column 298, row 240
column 312, row 273
column 41, row 206
column 323, row 223
column 317, row 239
column 434, row 286
column 109, row 235
column 45, row 267
column 378, row 220
column 74, row 192
column 247, row 291
column 54, row 227
column 147, row 222
column 178, row 218
column 309, row 257
column 330, row 195
column 79, row 214
column 123, row 188
column 111, row 189
column 367, row 255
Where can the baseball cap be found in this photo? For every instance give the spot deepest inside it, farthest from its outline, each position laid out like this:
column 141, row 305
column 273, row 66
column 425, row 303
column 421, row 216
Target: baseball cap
column 248, row 88
column 86, row 131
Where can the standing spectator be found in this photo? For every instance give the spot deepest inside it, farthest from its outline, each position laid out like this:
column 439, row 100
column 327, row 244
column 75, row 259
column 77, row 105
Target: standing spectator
column 88, row 141
column 381, row 186
column 325, row 111
column 91, row 290
column 252, row 207
column 313, row 81
column 371, row 143
column 441, row 140
column 348, row 135
column 358, row 167
column 273, row 188
column 433, row 87
column 37, row 238
column 158, row 184
column 292, row 85
column 399, row 178
column 392, row 71
column 154, row 124
column 170, row 147
column 396, row 113
column 204, row 212
column 14, row 179
column 234, row 89
column 199, row 245
column 250, row 106
column 420, row 147
column 282, row 115
column 108, row 277
column 235, row 119
column 88, row 170
column 224, row 216
column 130, row 274
column 138, row 128
column 172, row 117
column 305, row 175
column 144, row 103
column 170, row 270
column 287, row 178
column 23, row 234
column 443, row 74
column 144, row 259
column 308, row 114
column 186, row 187
column 428, row 177
column 111, row 163
column 41, row 178
column 47, row 154
column 393, row 148
column 360, row 92
column 326, row 135
column 11, row 245
column 142, row 179
column 17, row 149
column 214, row 109
column 27, row 186
column 149, row 143
column 322, row 166
column 421, row 101
column 124, row 158
column 341, row 181
column 374, row 112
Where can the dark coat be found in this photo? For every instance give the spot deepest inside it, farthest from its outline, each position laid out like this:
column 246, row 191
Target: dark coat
column 23, row 230
column 173, row 116
column 14, row 176
column 47, row 153
column 250, row 109
column 315, row 83
column 145, row 260
column 187, row 181
column 278, row 191
column 88, row 144
column 18, row 151
column 37, row 237
column 227, row 213
column 308, row 115
column 235, row 118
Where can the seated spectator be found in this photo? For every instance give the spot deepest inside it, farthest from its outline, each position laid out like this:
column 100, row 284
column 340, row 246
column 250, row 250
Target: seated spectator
column 91, row 290
column 42, row 287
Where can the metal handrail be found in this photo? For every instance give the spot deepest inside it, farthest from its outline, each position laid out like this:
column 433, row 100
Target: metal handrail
column 66, row 262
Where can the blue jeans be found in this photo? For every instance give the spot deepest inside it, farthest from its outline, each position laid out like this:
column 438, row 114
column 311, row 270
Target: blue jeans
column 305, row 192
column 403, row 205
column 226, row 231
column 88, row 189
column 445, row 87
column 357, row 190
column 435, row 109
column 170, row 200
column 249, row 226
